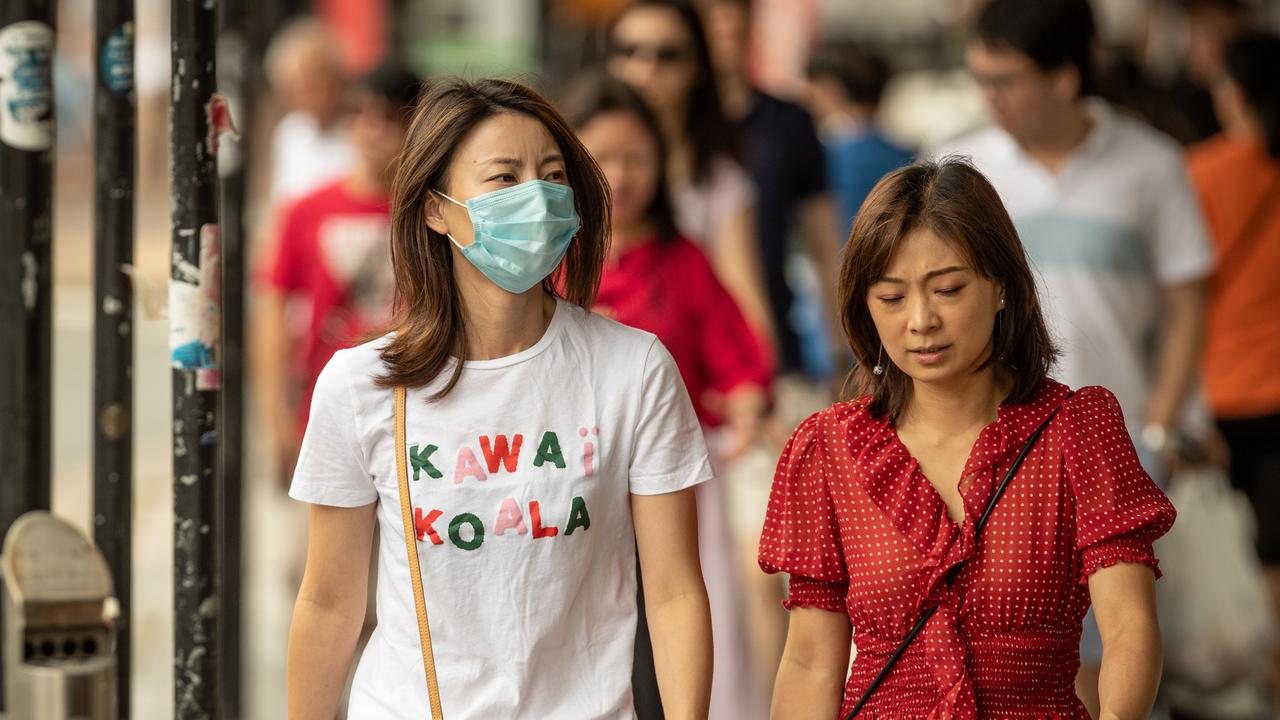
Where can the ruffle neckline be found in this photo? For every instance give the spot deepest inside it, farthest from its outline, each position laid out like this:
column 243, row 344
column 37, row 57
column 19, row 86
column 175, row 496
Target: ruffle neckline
column 916, row 510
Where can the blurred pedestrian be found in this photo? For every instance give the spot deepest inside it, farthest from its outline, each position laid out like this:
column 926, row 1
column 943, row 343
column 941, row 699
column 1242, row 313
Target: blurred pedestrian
column 782, row 153
column 845, row 84
column 1106, row 210
column 1210, row 26
column 878, row 502
column 547, row 446
column 1237, row 174
column 310, row 145
column 658, row 47
column 657, row 280
column 326, row 278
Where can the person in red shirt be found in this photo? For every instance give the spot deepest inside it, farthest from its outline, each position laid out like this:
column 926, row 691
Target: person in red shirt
column 327, row 279
column 882, row 513
column 657, row 280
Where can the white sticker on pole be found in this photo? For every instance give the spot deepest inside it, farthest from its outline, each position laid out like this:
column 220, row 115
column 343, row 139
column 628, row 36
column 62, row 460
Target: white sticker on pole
column 195, row 313
column 26, row 85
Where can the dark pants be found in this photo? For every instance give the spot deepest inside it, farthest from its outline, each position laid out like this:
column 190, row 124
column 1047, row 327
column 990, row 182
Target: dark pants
column 1255, row 470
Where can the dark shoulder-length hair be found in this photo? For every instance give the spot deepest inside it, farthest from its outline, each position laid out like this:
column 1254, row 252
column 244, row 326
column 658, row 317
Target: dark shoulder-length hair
column 710, row 133
column 954, row 201
column 598, row 93
column 429, row 324
column 1251, row 60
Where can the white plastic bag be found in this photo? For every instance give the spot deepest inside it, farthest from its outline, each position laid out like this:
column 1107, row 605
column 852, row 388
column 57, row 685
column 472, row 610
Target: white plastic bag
column 1215, row 613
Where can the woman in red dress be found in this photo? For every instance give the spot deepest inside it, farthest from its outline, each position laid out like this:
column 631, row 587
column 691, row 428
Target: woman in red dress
column 875, row 500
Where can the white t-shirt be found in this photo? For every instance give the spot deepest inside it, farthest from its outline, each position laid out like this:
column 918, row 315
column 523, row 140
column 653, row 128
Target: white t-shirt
column 702, row 210
column 1118, row 222
column 306, row 157
column 521, row 480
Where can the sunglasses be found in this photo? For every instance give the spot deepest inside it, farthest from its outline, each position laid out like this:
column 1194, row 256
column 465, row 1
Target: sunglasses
column 660, row 54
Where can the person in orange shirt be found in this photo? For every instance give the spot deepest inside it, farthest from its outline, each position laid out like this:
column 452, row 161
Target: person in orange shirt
column 1237, row 175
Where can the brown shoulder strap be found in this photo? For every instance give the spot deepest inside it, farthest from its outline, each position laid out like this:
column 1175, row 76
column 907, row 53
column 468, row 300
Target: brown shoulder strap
column 415, row 569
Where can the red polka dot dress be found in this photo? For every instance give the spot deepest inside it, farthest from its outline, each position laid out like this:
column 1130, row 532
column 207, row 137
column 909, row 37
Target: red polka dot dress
column 861, row 531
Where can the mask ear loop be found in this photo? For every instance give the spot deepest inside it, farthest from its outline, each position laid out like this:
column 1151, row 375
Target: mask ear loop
column 446, row 197
column 450, row 235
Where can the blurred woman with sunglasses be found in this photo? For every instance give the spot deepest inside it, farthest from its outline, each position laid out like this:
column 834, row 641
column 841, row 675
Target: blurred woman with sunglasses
column 658, row 47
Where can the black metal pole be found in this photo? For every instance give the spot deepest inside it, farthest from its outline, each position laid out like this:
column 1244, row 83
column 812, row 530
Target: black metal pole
column 195, row 328
column 26, row 224
column 114, row 134
column 233, row 68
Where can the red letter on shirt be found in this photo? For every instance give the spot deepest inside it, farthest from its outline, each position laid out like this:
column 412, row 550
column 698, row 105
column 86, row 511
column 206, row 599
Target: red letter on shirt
column 423, row 525
column 500, row 453
column 535, row 517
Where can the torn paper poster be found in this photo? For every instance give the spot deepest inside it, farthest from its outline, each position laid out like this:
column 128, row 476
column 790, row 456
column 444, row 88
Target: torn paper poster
column 195, row 313
column 26, row 85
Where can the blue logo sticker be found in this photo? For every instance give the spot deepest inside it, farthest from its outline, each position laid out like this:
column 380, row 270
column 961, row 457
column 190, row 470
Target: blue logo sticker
column 117, row 60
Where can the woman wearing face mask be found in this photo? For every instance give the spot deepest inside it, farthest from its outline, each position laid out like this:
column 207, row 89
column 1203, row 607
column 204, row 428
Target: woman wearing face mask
column 656, row 280
column 542, row 446
column 658, row 47
column 963, row 495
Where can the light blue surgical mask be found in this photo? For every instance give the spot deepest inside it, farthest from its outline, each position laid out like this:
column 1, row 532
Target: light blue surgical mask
column 521, row 232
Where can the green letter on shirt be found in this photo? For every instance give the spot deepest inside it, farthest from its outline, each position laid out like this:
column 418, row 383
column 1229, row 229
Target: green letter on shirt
column 578, row 516
column 549, row 450
column 421, row 461
column 477, row 535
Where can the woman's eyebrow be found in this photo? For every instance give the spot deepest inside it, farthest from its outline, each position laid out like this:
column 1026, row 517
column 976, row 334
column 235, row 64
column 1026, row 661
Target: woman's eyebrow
column 944, row 271
column 927, row 276
column 516, row 162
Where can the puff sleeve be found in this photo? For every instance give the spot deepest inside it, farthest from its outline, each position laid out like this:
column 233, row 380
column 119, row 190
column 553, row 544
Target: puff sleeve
column 1119, row 511
column 801, row 533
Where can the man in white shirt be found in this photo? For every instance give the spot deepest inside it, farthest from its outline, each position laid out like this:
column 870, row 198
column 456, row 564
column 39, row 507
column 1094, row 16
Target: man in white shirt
column 310, row 147
column 1106, row 211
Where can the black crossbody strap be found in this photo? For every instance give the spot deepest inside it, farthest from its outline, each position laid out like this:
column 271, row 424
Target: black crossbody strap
column 951, row 575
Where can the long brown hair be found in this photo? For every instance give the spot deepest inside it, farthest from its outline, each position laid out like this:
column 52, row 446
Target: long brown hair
column 959, row 205
column 429, row 324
